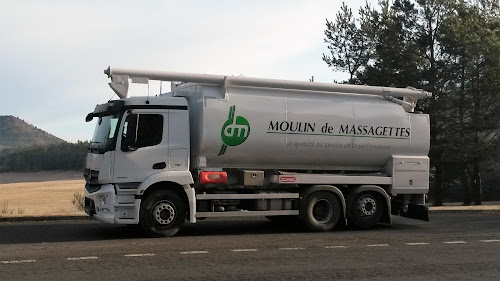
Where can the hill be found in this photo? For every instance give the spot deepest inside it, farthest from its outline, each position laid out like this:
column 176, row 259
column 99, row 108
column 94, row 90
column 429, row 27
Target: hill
column 26, row 148
column 15, row 132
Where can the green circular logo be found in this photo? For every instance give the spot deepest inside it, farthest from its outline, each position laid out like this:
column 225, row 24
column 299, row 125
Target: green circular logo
column 235, row 131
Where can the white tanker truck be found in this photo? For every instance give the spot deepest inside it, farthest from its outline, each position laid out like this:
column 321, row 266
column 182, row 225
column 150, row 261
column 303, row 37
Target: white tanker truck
column 222, row 146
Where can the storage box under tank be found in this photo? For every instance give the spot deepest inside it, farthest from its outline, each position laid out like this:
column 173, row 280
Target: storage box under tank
column 252, row 178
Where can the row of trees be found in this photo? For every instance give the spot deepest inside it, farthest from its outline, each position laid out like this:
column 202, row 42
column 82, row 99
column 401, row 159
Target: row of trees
column 62, row 156
column 448, row 47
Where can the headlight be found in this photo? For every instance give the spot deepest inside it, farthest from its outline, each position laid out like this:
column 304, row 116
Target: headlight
column 103, row 199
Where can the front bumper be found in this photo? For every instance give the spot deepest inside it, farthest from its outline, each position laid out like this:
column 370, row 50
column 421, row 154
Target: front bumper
column 111, row 205
column 96, row 208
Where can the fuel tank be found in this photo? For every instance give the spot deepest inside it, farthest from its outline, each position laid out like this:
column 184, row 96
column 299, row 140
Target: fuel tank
column 258, row 128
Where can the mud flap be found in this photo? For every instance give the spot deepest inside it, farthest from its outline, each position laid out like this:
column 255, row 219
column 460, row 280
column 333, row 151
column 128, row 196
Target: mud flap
column 413, row 211
column 418, row 212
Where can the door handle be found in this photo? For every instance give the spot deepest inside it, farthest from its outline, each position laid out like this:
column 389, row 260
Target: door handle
column 159, row 166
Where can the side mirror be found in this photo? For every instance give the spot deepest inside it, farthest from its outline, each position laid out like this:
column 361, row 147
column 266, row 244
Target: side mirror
column 89, row 117
column 129, row 136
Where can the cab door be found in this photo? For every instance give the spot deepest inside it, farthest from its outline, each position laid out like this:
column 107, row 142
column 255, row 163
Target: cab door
column 142, row 146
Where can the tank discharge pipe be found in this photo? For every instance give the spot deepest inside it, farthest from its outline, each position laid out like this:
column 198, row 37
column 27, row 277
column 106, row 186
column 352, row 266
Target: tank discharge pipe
column 120, row 76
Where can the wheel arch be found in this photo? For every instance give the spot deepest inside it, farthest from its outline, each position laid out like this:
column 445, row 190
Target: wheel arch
column 179, row 181
column 164, row 185
column 168, row 185
column 180, row 178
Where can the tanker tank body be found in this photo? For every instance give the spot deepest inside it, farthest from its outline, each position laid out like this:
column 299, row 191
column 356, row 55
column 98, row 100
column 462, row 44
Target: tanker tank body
column 261, row 128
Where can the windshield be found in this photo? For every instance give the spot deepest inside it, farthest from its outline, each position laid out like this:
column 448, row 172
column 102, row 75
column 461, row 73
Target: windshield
column 104, row 138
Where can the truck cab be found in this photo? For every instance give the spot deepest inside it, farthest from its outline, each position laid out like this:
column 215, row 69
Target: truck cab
column 135, row 139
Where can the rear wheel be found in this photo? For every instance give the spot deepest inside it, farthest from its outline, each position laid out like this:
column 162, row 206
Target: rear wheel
column 365, row 209
column 162, row 214
column 322, row 211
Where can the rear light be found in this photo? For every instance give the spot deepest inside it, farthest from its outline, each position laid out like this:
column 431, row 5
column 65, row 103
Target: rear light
column 213, row 177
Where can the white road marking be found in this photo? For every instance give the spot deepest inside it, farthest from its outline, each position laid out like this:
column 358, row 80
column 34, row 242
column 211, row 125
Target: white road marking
column 296, row 248
column 378, row 245
column 244, row 250
column 489, row 241
column 81, row 258
column 194, row 252
column 417, row 243
column 140, row 255
column 455, row 242
column 335, row 247
column 20, row 261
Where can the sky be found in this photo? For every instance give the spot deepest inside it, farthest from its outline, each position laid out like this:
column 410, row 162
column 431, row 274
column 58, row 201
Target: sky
column 53, row 53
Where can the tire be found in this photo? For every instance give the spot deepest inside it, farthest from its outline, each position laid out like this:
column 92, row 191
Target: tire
column 162, row 214
column 321, row 211
column 365, row 209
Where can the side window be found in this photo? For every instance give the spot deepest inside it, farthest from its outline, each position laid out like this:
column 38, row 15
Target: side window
column 141, row 130
column 150, row 130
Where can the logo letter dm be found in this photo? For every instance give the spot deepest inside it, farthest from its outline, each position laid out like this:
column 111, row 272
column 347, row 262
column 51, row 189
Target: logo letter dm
column 234, row 131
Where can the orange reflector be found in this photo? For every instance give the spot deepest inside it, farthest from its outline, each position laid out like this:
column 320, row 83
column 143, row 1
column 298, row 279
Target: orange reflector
column 213, row 177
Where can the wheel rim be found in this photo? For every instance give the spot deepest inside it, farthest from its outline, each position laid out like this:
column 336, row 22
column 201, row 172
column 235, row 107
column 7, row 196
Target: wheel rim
column 367, row 205
column 322, row 211
column 163, row 213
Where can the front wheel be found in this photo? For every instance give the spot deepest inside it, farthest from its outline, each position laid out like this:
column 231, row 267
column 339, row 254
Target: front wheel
column 162, row 214
column 322, row 211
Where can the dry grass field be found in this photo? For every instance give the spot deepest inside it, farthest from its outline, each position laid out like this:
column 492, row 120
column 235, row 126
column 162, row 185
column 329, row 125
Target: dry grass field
column 51, row 194
column 22, row 195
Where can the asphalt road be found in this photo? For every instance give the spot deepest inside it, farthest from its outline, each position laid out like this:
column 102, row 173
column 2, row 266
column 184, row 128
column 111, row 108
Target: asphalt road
column 453, row 246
